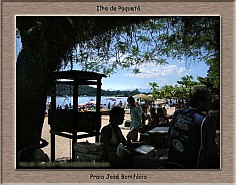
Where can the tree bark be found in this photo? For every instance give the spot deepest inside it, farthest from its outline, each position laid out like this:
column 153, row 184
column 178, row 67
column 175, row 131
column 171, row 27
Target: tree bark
column 32, row 84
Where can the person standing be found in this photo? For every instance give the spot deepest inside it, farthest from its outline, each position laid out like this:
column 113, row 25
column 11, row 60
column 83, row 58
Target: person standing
column 192, row 135
column 136, row 119
column 120, row 104
column 109, row 106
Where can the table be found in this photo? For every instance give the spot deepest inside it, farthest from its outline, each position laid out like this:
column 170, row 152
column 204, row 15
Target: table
column 156, row 137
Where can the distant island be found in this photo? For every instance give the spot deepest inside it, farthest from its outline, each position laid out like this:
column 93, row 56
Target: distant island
column 85, row 90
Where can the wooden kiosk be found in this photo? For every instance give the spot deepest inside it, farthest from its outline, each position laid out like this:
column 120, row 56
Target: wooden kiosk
column 69, row 123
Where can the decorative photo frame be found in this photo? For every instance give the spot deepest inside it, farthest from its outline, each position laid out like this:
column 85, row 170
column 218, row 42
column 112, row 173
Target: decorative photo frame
column 11, row 9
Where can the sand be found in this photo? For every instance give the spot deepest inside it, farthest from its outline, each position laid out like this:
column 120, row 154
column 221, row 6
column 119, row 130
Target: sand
column 63, row 145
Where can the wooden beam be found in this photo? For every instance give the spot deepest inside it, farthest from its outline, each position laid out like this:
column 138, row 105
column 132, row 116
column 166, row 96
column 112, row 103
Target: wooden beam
column 70, row 136
column 80, row 82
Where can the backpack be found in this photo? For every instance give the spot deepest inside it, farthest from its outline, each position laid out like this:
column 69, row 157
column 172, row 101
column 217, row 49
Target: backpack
column 187, row 140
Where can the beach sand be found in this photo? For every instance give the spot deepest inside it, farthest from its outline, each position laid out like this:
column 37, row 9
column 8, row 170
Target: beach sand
column 63, row 145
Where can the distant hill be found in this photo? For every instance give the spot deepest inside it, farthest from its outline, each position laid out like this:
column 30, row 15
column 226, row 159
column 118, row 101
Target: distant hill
column 63, row 90
column 145, row 91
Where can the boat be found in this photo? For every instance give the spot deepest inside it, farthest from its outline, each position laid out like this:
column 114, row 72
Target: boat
column 92, row 99
column 120, row 96
column 112, row 99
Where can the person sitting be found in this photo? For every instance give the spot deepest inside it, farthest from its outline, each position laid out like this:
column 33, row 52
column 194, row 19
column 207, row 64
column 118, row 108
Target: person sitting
column 111, row 137
column 32, row 151
column 152, row 118
column 162, row 119
column 164, row 109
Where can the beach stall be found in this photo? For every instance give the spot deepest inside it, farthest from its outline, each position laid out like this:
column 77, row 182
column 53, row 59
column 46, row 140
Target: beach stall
column 70, row 123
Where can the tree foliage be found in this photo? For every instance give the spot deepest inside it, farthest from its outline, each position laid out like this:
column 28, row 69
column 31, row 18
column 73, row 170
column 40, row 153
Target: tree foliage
column 187, row 82
column 83, row 40
column 190, row 39
column 181, row 91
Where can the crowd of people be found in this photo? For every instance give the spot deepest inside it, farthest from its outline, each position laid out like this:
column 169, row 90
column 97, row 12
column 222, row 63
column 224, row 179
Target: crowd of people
column 191, row 135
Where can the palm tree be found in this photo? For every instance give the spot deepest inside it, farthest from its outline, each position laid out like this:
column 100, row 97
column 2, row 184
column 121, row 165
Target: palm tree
column 168, row 91
column 154, row 89
column 187, row 82
column 154, row 85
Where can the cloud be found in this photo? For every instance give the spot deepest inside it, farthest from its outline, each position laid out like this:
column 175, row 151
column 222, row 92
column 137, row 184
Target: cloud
column 158, row 71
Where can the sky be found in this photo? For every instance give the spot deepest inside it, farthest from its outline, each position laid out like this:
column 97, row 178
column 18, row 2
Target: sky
column 167, row 74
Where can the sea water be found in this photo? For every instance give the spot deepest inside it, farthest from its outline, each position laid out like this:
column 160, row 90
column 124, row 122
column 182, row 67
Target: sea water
column 62, row 101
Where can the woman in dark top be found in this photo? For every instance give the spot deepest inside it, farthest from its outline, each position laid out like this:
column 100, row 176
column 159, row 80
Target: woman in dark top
column 111, row 137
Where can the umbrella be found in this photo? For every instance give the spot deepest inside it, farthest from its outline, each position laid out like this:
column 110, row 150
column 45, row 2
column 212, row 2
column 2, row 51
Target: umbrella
column 141, row 96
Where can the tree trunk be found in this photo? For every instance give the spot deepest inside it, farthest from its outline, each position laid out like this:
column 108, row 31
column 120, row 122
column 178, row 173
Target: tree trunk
column 40, row 56
column 32, row 84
